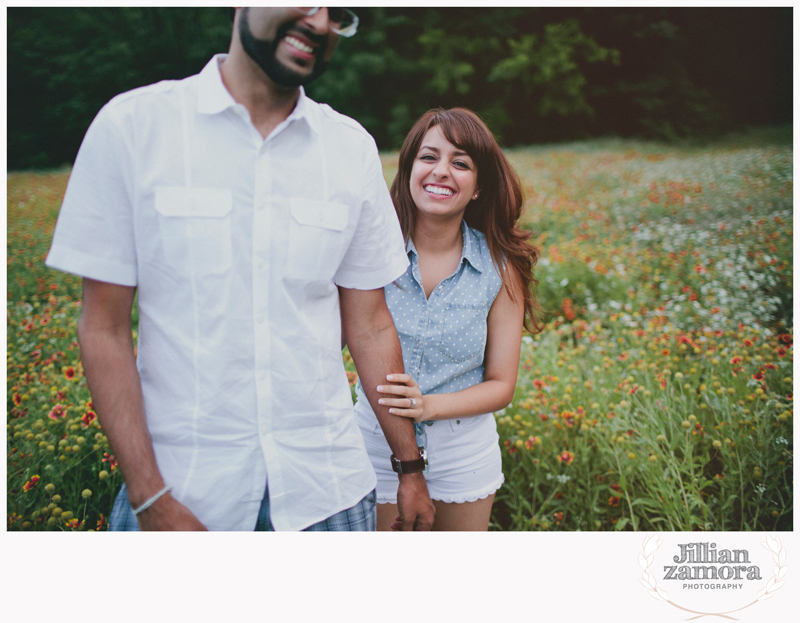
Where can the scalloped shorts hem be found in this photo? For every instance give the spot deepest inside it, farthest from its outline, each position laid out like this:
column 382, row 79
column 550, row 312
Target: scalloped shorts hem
column 452, row 499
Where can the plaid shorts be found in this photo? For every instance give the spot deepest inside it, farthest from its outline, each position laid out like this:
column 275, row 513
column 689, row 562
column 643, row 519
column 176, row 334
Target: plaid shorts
column 361, row 517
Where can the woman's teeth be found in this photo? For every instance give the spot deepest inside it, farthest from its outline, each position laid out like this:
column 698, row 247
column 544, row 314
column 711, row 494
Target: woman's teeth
column 438, row 190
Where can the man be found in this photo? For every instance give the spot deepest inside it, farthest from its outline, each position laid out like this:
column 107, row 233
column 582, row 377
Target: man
column 246, row 217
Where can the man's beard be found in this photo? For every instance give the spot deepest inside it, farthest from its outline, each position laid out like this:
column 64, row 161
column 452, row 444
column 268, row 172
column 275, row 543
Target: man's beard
column 262, row 51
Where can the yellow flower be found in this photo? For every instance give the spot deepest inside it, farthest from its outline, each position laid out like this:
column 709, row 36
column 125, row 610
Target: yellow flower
column 86, row 493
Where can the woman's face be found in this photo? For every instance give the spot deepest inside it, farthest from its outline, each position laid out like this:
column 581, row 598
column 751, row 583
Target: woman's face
column 444, row 179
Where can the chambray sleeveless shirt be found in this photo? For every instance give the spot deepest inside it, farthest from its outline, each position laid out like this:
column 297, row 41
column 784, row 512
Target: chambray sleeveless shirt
column 443, row 337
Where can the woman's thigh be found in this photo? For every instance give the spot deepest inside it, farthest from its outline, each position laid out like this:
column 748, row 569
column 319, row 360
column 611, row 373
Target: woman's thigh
column 464, row 516
column 386, row 515
column 450, row 516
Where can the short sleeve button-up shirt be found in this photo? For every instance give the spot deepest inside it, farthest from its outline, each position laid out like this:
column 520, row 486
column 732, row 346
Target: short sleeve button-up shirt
column 236, row 245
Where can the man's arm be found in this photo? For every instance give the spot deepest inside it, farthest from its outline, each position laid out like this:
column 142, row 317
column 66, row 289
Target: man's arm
column 375, row 347
column 104, row 332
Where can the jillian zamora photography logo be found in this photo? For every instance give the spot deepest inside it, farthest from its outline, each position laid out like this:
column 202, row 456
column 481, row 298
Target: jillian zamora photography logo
column 712, row 576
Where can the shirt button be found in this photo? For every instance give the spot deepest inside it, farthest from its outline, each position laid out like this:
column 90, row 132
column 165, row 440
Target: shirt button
column 429, row 423
column 441, row 288
column 458, row 421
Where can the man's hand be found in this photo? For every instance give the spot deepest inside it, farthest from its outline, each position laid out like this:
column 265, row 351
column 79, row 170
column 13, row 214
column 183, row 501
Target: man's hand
column 414, row 504
column 168, row 514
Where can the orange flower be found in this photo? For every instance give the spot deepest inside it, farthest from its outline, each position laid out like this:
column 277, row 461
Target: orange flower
column 101, row 522
column 747, row 342
column 715, row 310
column 69, row 373
column 566, row 457
column 559, row 516
column 735, row 360
column 531, row 441
column 665, row 352
column 31, row 483
column 17, row 399
column 73, row 523
column 633, row 390
column 613, row 501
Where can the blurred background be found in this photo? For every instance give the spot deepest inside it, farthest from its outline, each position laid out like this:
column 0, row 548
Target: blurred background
column 536, row 75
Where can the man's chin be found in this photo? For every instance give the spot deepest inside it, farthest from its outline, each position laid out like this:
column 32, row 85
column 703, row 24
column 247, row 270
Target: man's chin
column 289, row 78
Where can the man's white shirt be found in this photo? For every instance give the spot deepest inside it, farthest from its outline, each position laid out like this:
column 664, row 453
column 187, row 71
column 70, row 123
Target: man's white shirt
column 236, row 245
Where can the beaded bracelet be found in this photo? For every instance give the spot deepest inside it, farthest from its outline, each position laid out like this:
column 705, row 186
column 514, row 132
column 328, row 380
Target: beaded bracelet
column 148, row 503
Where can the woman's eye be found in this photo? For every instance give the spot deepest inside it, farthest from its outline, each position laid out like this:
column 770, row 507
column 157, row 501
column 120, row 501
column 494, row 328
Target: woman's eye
column 461, row 165
column 427, row 157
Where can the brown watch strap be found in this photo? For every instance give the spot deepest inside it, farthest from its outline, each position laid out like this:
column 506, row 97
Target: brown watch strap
column 408, row 467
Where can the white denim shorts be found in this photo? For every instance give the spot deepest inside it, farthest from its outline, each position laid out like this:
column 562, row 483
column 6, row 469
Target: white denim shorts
column 464, row 462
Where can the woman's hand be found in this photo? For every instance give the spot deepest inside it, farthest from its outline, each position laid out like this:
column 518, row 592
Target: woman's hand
column 404, row 400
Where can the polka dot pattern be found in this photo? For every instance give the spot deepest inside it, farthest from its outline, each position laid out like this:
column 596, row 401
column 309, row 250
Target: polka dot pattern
column 443, row 337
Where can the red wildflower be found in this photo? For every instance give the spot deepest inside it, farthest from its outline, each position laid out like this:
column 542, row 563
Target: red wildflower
column 786, row 338
column 566, row 457
column 17, row 399
column 531, row 441
column 112, row 461
column 538, row 384
column 715, row 310
column 735, row 360
column 616, row 487
column 662, row 383
column 747, row 342
column 56, row 411
column 69, row 373
column 781, row 352
column 633, row 390
column 544, row 417
column 613, row 501
column 559, row 516
column 759, row 375
column 31, row 483
column 623, row 356
column 665, row 352
column 101, row 522
column 74, row 524
column 88, row 418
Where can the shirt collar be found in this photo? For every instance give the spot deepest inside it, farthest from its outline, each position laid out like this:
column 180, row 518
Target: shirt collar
column 470, row 250
column 213, row 96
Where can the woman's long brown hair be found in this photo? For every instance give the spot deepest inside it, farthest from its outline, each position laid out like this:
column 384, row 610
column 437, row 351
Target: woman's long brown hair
column 496, row 210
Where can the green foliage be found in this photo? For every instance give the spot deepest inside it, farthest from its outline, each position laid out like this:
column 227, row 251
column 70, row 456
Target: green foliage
column 534, row 74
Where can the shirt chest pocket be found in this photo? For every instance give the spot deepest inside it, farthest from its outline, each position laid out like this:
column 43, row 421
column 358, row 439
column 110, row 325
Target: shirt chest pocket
column 195, row 227
column 317, row 241
column 463, row 331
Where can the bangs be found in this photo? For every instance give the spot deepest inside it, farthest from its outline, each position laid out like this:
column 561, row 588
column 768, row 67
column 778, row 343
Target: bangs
column 465, row 130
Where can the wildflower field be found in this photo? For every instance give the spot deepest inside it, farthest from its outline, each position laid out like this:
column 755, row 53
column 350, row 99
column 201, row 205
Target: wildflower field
column 658, row 397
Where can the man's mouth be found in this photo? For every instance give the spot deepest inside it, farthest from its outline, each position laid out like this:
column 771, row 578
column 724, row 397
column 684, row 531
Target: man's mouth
column 299, row 45
column 438, row 190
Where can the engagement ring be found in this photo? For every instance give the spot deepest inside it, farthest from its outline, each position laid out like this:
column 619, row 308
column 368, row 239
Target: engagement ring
column 413, row 403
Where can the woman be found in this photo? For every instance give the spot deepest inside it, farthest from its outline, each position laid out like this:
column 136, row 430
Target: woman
column 459, row 311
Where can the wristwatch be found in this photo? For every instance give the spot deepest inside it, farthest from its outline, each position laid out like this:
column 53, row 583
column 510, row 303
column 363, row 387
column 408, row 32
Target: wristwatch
column 411, row 467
